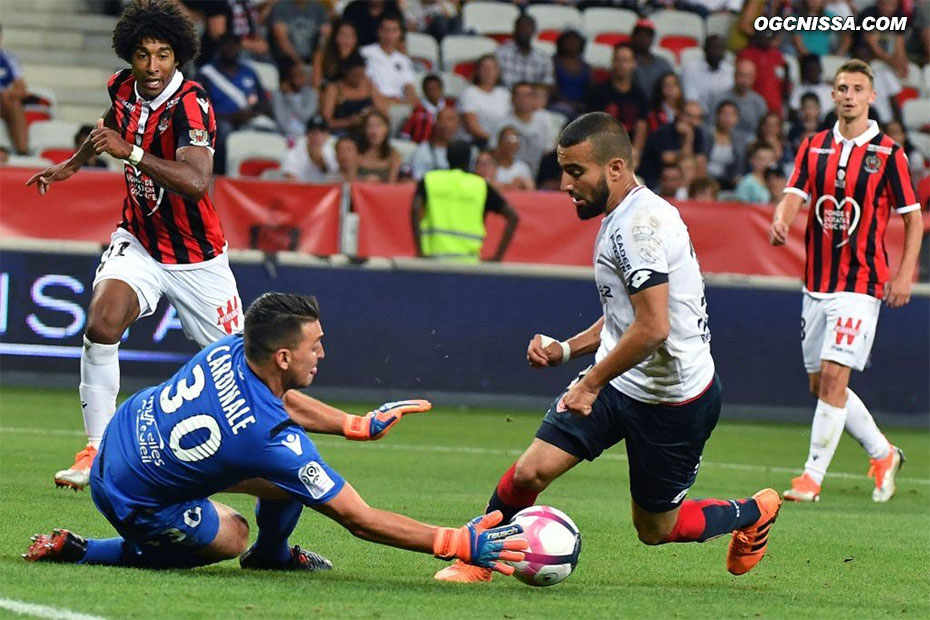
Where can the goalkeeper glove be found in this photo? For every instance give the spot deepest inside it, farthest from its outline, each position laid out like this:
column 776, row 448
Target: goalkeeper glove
column 481, row 544
column 375, row 424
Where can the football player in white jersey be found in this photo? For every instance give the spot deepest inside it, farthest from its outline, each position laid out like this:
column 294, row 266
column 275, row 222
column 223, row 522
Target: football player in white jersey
column 653, row 382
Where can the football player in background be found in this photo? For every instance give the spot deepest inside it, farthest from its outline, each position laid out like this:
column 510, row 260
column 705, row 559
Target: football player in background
column 854, row 175
column 653, row 382
column 169, row 241
column 224, row 422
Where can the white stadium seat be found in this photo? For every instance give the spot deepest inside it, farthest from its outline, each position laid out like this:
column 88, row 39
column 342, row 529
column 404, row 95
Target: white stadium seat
column 830, row 64
column 546, row 47
column 599, row 56
column 397, row 114
column 52, row 134
column 463, row 48
column 555, row 17
column 598, row 20
column 28, row 161
column 242, row 146
column 453, row 84
column 921, row 140
column 423, row 49
column 556, row 122
column 267, row 74
column 404, row 147
column 489, row 17
column 915, row 78
column 678, row 23
column 927, row 81
column 720, row 24
column 916, row 114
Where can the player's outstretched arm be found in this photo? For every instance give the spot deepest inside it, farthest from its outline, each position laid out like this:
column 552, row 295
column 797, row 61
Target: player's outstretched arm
column 898, row 289
column 478, row 542
column 316, row 416
column 785, row 212
column 547, row 351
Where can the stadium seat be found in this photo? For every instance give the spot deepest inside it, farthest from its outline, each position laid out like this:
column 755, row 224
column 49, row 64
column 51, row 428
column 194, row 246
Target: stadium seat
column 794, row 68
column 404, row 147
column 599, row 56
column 423, row 50
column 914, row 79
column 927, row 80
column 464, row 49
column 916, row 114
column 52, row 134
column 397, row 114
column 267, row 74
column 5, row 141
column 489, row 18
column 272, row 174
column 546, row 47
column 599, row 20
column 672, row 23
column 556, row 121
column 551, row 20
column 677, row 44
column 720, row 24
column 667, row 54
column 830, row 64
column 56, row 155
column 28, row 161
column 39, row 105
column 249, row 153
column 921, row 140
column 612, row 38
column 453, row 84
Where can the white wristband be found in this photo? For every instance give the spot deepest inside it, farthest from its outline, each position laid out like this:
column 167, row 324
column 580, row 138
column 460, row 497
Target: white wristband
column 136, row 156
column 566, row 348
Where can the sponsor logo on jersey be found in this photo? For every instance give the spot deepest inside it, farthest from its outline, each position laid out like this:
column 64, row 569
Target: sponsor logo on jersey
column 823, row 151
column 877, row 148
column 315, row 478
column 192, row 517
column 292, row 442
column 199, row 137
column 849, row 330
column 229, row 315
column 832, row 215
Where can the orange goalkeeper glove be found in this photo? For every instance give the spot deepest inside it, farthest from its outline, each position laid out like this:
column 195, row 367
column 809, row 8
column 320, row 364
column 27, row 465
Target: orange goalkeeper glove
column 375, row 424
column 478, row 542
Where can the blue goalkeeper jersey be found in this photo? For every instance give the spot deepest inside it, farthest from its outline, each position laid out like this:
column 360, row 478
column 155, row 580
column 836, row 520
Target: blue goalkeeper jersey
column 212, row 425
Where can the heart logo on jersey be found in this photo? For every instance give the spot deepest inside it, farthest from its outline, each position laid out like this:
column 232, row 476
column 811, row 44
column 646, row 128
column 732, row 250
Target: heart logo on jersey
column 835, row 217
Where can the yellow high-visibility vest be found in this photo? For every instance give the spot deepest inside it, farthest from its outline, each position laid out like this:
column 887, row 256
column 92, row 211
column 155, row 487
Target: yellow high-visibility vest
column 453, row 221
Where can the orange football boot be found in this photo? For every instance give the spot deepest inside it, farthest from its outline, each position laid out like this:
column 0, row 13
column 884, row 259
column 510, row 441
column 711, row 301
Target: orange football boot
column 748, row 545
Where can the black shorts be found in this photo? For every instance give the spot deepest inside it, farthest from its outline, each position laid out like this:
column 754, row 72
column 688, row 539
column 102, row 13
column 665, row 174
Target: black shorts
column 663, row 442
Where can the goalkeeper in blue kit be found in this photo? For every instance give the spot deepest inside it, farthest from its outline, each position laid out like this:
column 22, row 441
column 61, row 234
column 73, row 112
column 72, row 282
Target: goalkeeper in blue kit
column 231, row 419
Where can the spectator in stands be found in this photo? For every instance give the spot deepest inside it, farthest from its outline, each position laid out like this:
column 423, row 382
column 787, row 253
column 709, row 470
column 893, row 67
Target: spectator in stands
column 295, row 101
column 347, row 158
column 12, row 96
column 329, row 59
column 666, row 102
column 889, row 45
column 771, row 71
column 349, row 98
column 671, row 183
column 512, row 173
column 726, row 148
column 620, row 97
column 771, row 132
column 684, row 137
column 378, row 161
column 296, row 28
column 649, row 67
column 808, row 122
column 244, row 18
column 811, row 82
column 549, row 177
column 236, row 92
column 449, row 208
column 484, row 104
column 535, row 132
column 752, row 187
column 366, row 16
column 94, row 161
column 390, row 70
column 434, row 17
column 312, row 159
column 703, row 188
column 572, row 74
column 421, row 120
column 519, row 61
column 819, row 42
column 917, row 163
column 431, row 154
column 775, row 182
column 486, row 168
column 918, row 45
column 702, row 77
column 752, row 106
column 744, row 28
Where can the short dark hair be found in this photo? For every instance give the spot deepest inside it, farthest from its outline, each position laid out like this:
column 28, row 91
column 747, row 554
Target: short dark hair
column 854, row 65
column 275, row 321
column 757, row 146
column 773, row 171
column 159, row 20
column 430, row 77
column 607, row 136
column 355, row 59
column 810, row 96
column 458, row 153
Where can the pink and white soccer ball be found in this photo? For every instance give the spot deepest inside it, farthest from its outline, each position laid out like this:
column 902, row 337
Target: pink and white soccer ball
column 554, row 544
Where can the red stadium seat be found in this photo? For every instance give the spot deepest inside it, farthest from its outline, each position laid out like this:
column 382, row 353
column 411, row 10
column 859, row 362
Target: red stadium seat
column 551, row 34
column 56, row 155
column 255, row 167
column 500, row 37
column 465, row 69
column 37, row 114
column 907, row 93
column 676, row 43
column 601, row 75
column 612, row 38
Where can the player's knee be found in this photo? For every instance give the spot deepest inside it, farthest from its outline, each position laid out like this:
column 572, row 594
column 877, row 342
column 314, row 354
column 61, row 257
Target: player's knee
column 105, row 325
column 239, row 540
column 832, row 384
column 529, row 476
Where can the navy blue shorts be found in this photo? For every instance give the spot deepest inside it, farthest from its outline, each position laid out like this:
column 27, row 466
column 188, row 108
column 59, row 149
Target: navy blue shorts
column 663, row 442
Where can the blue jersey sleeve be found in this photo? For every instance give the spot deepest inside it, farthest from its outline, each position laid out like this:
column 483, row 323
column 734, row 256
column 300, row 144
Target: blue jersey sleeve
column 290, row 460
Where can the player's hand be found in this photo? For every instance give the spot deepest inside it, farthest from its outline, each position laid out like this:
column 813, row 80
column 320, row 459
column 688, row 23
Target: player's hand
column 52, row 174
column 478, row 542
column 375, row 424
column 105, row 140
column 778, row 233
column 898, row 291
column 578, row 399
column 543, row 351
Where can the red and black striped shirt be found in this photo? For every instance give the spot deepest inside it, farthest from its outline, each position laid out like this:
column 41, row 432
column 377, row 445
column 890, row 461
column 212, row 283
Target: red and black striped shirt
column 853, row 185
column 172, row 228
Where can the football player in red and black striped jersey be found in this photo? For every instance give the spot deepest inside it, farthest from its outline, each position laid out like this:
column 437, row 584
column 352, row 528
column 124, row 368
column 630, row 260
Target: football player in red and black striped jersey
column 854, row 176
column 169, row 241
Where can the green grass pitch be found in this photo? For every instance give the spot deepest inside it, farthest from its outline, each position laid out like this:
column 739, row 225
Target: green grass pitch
column 844, row 557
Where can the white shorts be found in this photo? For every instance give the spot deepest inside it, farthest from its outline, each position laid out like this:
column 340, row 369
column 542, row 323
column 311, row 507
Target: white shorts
column 839, row 328
column 203, row 294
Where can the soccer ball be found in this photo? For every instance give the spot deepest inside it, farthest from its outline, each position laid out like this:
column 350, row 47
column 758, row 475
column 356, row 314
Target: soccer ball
column 554, row 545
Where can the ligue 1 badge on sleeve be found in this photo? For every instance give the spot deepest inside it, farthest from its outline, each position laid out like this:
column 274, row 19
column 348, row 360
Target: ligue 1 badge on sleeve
column 872, row 163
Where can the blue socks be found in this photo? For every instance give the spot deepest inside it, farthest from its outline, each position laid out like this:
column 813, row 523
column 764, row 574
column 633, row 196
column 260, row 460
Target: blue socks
column 276, row 520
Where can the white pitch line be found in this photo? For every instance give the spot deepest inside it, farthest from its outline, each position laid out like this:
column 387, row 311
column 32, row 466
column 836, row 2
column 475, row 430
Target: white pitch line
column 332, row 443
column 43, row 611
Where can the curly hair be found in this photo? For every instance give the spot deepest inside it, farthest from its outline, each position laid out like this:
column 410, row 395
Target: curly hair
column 160, row 20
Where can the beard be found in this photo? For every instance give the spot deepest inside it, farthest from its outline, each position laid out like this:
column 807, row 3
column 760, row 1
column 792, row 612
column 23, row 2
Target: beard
column 597, row 204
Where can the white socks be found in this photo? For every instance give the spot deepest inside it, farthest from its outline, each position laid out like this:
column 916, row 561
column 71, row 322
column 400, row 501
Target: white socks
column 825, row 435
column 99, row 387
column 861, row 425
